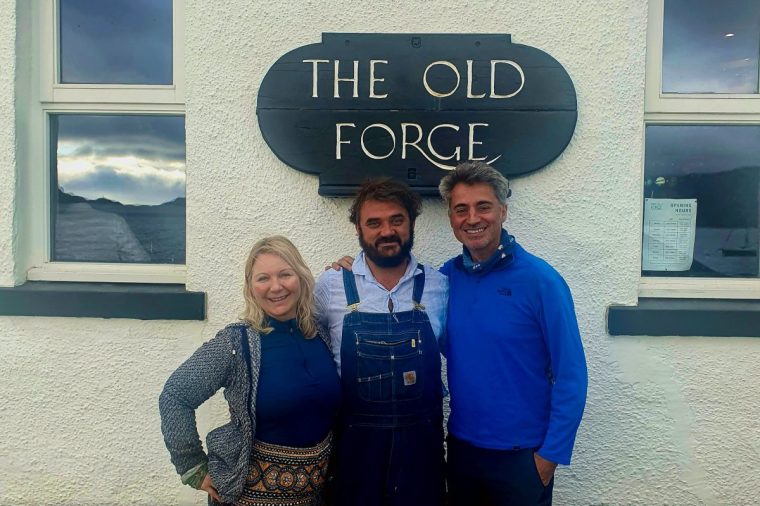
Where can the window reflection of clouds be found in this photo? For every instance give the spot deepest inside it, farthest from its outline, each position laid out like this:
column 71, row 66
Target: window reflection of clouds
column 697, row 55
column 116, row 41
column 700, row 149
column 129, row 159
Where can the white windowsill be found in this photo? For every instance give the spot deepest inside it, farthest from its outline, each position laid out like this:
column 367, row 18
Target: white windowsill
column 108, row 273
column 700, row 288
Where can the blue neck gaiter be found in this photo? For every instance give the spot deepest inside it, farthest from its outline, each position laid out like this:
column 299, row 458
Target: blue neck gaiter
column 503, row 254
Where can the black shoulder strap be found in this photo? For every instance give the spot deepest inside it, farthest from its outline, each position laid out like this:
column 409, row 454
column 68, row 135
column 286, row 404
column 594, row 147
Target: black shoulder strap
column 419, row 285
column 349, row 286
column 247, row 355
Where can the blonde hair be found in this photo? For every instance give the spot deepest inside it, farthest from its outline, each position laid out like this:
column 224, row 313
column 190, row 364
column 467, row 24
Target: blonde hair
column 283, row 248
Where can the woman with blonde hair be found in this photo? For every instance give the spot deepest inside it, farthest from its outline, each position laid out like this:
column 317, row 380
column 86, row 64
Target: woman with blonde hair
column 281, row 386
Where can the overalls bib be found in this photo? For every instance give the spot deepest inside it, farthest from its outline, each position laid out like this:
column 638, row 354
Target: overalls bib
column 390, row 448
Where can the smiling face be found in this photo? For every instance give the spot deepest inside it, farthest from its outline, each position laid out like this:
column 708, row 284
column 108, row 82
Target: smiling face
column 476, row 215
column 275, row 286
column 385, row 232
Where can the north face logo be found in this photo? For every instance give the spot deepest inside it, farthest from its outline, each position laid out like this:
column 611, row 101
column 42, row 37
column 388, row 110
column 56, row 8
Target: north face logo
column 507, row 292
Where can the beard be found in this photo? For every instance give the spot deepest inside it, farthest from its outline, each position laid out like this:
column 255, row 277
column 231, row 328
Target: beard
column 381, row 260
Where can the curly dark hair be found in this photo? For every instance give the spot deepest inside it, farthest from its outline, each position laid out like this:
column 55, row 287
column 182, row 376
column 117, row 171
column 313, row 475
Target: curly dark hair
column 386, row 189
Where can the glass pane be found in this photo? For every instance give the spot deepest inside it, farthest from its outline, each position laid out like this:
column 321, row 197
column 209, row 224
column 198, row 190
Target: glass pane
column 118, row 188
column 711, row 46
column 116, row 41
column 719, row 166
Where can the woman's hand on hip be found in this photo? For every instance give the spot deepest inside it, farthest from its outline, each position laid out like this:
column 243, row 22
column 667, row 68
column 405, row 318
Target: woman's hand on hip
column 210, row 489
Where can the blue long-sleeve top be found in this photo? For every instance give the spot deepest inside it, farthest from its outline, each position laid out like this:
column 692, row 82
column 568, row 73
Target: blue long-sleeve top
column 299, row 390
column 516, row 366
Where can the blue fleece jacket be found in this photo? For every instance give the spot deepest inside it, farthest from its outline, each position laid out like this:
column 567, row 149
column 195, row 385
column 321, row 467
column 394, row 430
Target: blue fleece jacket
column 516, row 367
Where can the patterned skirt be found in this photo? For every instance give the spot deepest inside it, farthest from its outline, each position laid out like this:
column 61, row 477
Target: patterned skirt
column 286, row 476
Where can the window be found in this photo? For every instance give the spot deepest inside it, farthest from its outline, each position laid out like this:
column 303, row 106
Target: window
column 118, row 188
column 701, row 191
column 115, row 42
column 710, row 46
column 106, row 142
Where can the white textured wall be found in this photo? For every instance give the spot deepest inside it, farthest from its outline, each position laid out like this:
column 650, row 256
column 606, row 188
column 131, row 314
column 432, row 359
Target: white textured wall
column 7, row 138
column 668, row 420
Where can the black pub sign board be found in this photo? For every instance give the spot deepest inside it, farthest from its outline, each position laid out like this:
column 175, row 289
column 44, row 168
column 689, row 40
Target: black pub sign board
column 411, row 107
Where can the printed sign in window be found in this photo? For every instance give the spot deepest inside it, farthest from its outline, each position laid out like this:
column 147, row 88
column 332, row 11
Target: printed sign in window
column 669, row 229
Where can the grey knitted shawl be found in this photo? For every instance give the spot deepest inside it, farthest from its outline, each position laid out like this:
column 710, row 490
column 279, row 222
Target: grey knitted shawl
column 219, row 363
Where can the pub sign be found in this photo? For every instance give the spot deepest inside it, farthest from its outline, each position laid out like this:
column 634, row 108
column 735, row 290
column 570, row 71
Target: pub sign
column 411, row 107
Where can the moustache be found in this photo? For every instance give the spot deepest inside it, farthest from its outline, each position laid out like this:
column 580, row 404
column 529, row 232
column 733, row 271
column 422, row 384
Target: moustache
column 388, row 240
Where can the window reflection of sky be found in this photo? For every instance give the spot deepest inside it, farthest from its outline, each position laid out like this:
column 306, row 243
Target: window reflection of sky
column 699, row 57
column 128, row 159
column 700, row 149
column 116, row 41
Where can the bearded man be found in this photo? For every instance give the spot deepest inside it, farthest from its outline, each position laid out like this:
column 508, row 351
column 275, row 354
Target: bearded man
column 384, row 319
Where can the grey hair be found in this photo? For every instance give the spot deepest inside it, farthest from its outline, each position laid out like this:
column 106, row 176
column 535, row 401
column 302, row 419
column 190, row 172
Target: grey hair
column 471, row 173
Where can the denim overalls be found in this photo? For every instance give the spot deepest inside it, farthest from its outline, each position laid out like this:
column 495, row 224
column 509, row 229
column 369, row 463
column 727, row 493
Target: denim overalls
column 390, row 447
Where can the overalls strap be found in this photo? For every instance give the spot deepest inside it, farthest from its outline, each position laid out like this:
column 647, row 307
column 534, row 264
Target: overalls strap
column 419, row 287
column 349, row 286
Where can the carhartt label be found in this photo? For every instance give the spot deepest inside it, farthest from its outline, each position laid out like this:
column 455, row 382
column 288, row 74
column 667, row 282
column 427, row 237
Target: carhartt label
column 410, row 378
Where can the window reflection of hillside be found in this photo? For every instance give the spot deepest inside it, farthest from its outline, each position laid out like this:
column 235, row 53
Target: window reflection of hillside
column 84, row 234
column 727, row 239
column 158, row 231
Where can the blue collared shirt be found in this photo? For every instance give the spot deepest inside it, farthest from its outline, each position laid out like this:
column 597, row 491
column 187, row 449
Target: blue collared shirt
column 330, row 298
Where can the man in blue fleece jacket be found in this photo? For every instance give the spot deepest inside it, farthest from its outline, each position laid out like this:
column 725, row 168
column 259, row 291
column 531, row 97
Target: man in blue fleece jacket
column 516, row 367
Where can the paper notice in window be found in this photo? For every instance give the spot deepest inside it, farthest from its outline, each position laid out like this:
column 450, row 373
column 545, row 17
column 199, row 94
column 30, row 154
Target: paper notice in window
column 669, row 227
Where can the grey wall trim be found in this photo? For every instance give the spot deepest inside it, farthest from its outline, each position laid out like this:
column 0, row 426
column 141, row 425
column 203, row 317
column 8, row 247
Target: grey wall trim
column 103, row 300
column 686, row 317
